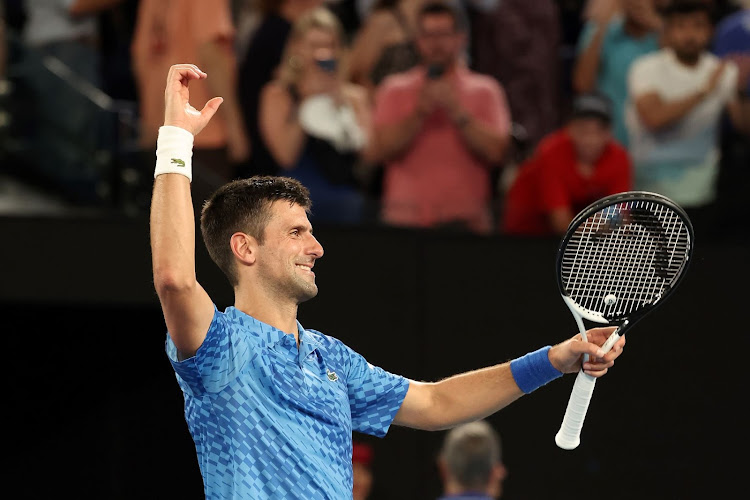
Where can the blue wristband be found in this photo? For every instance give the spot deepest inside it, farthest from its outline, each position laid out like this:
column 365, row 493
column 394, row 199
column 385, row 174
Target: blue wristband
column 533, row 370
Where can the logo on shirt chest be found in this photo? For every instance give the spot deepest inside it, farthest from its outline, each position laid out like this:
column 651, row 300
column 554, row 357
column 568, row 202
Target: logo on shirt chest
column 331, row 375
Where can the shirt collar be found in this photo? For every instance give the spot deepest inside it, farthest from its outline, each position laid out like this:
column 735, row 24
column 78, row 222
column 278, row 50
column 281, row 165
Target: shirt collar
column 309, row 342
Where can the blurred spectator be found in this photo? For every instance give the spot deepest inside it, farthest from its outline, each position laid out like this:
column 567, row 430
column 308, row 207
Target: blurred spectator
column 677, row 98
column 732, row 40
column 67, row 30
column 470, row 463
column 258, row 67
column 617, row 32
column 440, row 129
column 173, row 31
column 386, row 42
column 314, row 123
column 362, row 456
column 519, row 44
column 247, row 17
column 572, row 168
column 61, row 75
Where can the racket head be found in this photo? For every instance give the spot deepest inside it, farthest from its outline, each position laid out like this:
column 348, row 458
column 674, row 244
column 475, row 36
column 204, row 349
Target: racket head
column 623, row 255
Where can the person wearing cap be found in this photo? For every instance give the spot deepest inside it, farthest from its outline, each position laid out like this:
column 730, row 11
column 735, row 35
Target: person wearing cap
column 470, row 463
column 571, row 168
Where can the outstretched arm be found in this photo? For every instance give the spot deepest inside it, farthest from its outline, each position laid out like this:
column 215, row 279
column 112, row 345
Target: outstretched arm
column 188, row 310
column 480, row 393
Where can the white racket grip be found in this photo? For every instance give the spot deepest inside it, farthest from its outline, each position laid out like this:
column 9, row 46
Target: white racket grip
column 611, row 341
column 569, row 435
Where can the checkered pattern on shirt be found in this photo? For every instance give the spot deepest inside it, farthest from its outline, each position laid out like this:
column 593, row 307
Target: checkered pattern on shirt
column 266, row 418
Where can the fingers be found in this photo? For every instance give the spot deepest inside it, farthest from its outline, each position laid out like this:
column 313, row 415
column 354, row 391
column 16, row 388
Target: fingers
column 211, row 107
column 180, row 72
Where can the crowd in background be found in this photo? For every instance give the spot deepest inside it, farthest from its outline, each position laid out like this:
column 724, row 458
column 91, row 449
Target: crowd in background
column 490, row 116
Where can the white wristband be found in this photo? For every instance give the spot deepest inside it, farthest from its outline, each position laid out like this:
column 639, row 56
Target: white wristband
column 174, row 152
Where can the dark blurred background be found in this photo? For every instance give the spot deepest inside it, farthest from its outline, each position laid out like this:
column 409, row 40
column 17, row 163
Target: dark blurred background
column 95, row 410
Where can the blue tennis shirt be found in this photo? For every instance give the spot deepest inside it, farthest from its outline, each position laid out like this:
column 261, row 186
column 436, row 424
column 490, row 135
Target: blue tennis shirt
column 270, row 420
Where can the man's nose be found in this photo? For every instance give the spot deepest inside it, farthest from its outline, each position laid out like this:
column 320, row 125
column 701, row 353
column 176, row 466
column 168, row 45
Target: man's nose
column 316, row 248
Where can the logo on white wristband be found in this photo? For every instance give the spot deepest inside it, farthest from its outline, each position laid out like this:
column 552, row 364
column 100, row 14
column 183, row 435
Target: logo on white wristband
column 174, row 151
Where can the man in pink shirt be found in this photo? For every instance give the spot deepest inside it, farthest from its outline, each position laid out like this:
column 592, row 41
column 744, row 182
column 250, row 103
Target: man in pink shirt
column 440, row 129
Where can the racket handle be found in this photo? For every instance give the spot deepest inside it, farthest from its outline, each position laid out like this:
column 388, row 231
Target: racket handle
column 611, row 341
column 569, row 435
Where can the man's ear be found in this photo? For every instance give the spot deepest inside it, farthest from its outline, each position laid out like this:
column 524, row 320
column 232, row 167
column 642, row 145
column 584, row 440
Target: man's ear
column 244, row 247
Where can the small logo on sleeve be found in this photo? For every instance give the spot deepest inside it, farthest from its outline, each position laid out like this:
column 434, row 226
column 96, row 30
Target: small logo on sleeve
column 331, row 375
column 178, row 162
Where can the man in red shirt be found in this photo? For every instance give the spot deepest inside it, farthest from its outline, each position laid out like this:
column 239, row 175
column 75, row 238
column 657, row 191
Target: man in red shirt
column 439, row 130
column 571, row 168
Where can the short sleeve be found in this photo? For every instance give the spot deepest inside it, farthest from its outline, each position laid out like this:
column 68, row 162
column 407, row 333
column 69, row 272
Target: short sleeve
column 641, row 77
column 218, row 361
column 730, row 81
column 495, row 112
column 375, row 395
column 389, row 104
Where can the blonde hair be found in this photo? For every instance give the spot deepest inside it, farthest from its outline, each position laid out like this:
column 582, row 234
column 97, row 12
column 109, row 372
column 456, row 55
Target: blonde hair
column 319, row 18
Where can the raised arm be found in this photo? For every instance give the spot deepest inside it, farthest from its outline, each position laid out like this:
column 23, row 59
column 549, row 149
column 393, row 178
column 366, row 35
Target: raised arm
column 657, row 113
column 188, row 310
column 480, row 393
column 587, row 62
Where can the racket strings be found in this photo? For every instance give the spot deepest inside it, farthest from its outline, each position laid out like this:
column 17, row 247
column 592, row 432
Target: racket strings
column 624, row 257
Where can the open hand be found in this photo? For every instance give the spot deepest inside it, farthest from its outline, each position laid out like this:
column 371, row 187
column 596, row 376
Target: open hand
column 177, row 110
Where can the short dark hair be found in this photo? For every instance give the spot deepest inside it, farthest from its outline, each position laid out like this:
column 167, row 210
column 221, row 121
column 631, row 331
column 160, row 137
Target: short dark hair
column 684, row 7
column 469, row 452
column 437, row 7
column 244, row 205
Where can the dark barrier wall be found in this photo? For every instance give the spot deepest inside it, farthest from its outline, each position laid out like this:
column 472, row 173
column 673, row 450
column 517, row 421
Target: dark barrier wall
column 95, row 411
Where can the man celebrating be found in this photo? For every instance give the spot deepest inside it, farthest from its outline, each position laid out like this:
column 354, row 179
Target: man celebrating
column 677, row 97
column 439, row 129
column 271, row 405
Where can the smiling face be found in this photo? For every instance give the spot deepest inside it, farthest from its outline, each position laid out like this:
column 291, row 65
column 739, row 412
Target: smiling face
column 317, row 44
column 288, row 253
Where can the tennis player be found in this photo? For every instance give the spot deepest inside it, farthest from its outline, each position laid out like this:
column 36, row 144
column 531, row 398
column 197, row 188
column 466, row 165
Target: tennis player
column 270, row 405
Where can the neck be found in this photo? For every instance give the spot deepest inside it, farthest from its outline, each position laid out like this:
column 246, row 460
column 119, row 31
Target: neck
column 452, row 488
column 687, row 61
column 262, row 305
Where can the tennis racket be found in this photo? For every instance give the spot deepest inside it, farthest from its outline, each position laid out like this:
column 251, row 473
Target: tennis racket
column 620, row 258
